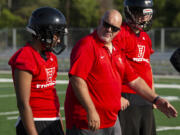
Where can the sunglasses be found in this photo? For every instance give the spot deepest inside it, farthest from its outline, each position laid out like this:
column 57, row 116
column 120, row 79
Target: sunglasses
column 113, row 28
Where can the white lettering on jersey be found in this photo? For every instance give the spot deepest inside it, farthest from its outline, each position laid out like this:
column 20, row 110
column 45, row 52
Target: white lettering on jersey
column 49, row 82
column 141, row 52
column 50, row 73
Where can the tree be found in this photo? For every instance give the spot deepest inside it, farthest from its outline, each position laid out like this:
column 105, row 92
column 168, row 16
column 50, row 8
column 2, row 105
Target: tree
column 9, row 19
column 81, row 13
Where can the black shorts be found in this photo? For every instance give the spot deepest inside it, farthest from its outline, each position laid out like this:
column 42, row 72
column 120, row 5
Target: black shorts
column 137, row 120
column 43, row 128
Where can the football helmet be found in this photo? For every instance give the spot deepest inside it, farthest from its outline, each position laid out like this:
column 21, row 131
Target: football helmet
column 138, row 13
column 44, row 23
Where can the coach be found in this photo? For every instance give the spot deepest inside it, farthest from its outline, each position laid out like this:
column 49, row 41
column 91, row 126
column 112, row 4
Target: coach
column 97, row 70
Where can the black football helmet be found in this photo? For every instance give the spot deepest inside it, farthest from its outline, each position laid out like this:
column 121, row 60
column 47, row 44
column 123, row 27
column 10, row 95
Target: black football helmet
column 44, row 23
column 138, row 13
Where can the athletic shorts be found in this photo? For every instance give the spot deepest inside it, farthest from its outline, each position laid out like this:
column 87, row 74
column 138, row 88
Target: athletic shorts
column 115, row 130
column 137, row 120
column 42, row 127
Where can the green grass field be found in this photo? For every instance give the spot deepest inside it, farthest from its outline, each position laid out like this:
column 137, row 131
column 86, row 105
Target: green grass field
column 9, row 112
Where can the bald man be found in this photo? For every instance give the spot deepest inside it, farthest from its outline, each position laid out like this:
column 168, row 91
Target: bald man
column 97, row 70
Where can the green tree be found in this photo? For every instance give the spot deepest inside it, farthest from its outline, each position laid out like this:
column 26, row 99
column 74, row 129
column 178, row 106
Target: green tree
column 166, row 13
column 82, row 13
column 8, row 19
column 25, row 8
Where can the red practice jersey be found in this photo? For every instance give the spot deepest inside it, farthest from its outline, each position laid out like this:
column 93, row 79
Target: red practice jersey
column 43, row 98
column 103, row 73
column 138, row 50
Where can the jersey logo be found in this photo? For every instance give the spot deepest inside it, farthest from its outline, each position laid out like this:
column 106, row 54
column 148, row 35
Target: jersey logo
column 49, row 81
column 50, row 73
column 141, row 51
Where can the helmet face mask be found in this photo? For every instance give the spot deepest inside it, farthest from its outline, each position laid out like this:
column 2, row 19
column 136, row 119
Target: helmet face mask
column 139, row 14
column 46, row 22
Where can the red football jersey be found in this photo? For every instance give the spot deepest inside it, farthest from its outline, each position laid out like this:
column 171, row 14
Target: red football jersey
column 138, row 50
column 103, row 73
column 43, row 98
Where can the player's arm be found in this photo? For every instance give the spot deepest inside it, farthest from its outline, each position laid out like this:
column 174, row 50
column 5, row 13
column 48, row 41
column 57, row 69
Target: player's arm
column 22, row 81
column 153, row 89
column 145, row 91
column 62, row 125
column 81, row 91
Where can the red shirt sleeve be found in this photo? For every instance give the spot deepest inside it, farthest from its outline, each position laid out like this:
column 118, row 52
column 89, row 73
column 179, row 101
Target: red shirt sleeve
column 23, row 60
column 82, row 58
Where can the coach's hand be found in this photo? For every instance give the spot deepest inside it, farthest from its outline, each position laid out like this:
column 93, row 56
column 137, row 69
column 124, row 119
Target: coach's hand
column 164, row 106
column 93, row 120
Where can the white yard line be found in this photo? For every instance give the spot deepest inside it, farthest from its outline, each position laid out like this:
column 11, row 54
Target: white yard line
column 8, row 113
column 16, row 112
column 7, row 80
column 167, row 76
column 7, row 95
column 171, row 98
column 163, row 128
column 174, row 86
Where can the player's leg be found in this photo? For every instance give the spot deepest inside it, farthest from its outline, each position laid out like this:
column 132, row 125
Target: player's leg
column 116, row 129
column 130, row 120
column 147, row 121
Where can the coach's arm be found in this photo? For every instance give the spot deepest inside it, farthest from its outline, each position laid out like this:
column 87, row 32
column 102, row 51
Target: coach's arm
column 81, row 91
column 145, row 91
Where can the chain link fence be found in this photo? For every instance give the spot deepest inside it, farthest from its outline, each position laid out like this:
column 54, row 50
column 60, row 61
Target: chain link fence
column 164, row 42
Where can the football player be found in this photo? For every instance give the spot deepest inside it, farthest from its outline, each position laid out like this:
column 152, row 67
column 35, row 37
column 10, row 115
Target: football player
column 137, row 118
column 34, row 70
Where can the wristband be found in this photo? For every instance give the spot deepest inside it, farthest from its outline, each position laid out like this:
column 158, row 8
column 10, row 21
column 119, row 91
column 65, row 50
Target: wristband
column 155, row 100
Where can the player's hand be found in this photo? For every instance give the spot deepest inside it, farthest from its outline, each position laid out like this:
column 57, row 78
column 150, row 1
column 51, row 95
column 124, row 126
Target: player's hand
column 154, row 106
column 93, row 120
column 124, row 103
column 164, row 106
